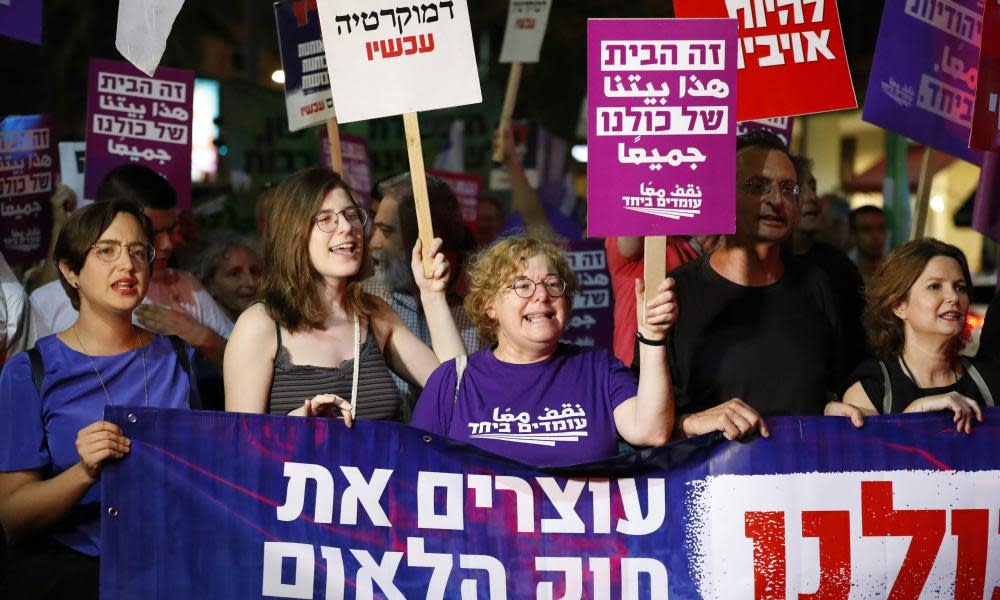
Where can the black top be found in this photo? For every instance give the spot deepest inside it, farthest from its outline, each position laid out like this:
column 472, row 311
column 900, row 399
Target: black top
column 989, row 337
column 776, row 347
column 905, row 391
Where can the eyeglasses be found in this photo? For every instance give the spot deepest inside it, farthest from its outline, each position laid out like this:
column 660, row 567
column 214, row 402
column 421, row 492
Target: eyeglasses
column 109, row 251
column 328, row 220
column 555, row 286
column 762, row 186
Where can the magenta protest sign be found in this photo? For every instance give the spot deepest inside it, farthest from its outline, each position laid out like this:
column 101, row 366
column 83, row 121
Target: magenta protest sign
column 781, row 127
column 27, row 180
column 135, row 118
column 661, row 126
column 593, row 315
column 357, row 168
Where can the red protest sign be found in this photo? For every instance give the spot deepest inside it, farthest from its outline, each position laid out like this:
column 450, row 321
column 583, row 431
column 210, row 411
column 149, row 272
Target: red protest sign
column 986, row 117
column 791, row 55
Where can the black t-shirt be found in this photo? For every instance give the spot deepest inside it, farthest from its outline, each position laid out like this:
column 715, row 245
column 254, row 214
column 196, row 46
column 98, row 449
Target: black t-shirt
column 905, row 391
column 776, row 347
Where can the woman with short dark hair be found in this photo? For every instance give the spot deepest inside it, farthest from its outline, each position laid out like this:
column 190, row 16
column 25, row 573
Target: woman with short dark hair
column 916, row 323
column 53, row 442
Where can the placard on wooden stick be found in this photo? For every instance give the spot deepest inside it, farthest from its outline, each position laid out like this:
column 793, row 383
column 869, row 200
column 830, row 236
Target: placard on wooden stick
column 333, row 138
column 654, row 267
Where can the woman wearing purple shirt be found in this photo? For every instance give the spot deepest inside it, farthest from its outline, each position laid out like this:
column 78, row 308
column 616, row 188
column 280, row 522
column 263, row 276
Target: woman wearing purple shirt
column 531, row 398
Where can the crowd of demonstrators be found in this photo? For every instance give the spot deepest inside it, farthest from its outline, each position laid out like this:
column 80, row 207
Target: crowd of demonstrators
column 869, row 236
column 53, row 441
column 317, row 343
column 20, row 324
column 520, row 297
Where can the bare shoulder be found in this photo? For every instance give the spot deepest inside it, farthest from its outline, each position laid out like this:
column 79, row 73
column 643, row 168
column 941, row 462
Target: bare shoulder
column 256, row 329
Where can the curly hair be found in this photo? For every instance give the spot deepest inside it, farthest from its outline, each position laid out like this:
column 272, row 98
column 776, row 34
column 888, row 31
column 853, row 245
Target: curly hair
column 891, row 285
column 496, row 267
column 290, row 284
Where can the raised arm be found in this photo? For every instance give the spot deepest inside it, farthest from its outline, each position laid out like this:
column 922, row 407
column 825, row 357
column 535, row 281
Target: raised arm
column 248, row 366
column 524, row 199
column 445, row 339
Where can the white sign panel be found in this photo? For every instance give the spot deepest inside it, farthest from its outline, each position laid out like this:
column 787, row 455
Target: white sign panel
column 526, row 22
column 71, row 157
column 389, row 58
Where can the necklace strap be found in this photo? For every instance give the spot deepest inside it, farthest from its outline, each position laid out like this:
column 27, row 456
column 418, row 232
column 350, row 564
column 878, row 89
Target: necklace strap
column 93, row 365
column 357, row 366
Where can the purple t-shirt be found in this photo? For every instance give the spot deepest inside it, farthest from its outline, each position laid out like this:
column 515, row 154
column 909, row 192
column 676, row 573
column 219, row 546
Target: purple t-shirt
column 556, row 412
column 40, row 432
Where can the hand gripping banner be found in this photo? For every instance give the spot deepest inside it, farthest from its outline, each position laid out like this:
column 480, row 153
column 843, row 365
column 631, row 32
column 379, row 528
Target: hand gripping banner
column 226, row 506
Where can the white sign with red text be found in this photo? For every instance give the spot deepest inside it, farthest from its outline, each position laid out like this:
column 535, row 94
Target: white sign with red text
column 526, row 22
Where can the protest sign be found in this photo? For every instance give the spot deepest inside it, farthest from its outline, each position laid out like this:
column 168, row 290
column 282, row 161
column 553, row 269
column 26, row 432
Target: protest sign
column 389, row 59
column 592, row 320
column 467, row 189
column 986, row 115
column 72, row 161
column 140, row 119
column 356, row 167
column 785, row 49
column 250, row 505
column 780, row 126
column 21, row 20
column 522, row 38
column 27, row 181
column 661, row 126
column 308, row 100
column 923, row 80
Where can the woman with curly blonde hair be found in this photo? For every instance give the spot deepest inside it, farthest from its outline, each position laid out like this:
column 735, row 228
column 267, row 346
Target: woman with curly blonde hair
column 916, row 323
column 532, row 398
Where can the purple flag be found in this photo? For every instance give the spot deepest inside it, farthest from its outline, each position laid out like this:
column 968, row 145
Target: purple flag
column 986, row 214
column 21, row 20
column 781, row 127
column 661, row 126
column 135, row 118
column 27, row 180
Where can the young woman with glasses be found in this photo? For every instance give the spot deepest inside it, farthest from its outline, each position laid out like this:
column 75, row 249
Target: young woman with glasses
column 532, row 398
column 317, row 344
column 53, row 441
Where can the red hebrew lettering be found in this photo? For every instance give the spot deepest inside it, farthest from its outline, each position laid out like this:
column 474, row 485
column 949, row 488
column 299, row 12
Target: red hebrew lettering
column 525, row 23
column 301, row 9
column 833, row 528
column 971, row 527
column 767, row 530
column 925, row 527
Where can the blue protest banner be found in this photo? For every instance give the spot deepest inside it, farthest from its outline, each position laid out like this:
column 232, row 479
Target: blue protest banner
column 221, row 506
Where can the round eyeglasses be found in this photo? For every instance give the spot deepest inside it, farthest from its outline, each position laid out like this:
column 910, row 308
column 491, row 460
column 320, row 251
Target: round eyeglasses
column 328, row 220
column 110, row 251
column 555, row 286
column 762, row 186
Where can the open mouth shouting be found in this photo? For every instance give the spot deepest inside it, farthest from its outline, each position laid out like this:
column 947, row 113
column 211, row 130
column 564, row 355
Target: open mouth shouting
column 347, row 249
column 540, row 317
column 126, row 286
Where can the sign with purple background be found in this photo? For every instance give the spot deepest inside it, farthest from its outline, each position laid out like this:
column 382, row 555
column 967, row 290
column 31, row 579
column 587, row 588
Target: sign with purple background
column 661, row 126
column 27, row 180
column 135, row 118
column 21, row 20
column 357, row 168
column 593, row 313
column 780, row 126
column 924, row 77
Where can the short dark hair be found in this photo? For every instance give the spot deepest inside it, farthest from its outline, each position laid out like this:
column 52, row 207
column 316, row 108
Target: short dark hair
column 867, row 209
column 804, row 170
column 446, row 214
column 82, row 230
column 763, row 139
column 139, row 184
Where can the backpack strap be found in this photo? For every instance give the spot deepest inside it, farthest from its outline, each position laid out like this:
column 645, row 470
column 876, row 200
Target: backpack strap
column 973, row 372
column 37, row 368
column 180, row 349
column 887, row 386
column 461, row 361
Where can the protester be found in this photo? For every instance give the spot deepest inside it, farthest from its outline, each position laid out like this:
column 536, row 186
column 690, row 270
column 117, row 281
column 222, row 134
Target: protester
column 989, row 336
column 394, row 232
column 62, row 203
column 20, row 325
column 301, row 350
column 176, row 303
column 51, row 396
column 489, row 220
column 868, row 232
column 229, row 268
column 532, row 398
column 917, row 306
column 836, row 222
column 759, row 335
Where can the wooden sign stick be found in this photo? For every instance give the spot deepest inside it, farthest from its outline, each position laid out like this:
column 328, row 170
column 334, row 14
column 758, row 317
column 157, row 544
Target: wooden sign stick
column 509, row 100
column 923, row 195
column 654, row 269
column 421, row 202
column 333, row 138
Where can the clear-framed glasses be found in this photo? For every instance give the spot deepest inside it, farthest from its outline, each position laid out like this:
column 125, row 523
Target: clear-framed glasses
column 110, row 250
column 327, row 220
column 555, row 286
column 762, row 186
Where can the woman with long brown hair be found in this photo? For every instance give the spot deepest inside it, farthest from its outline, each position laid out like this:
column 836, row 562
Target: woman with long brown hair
column 317, row 343
column 916, row 323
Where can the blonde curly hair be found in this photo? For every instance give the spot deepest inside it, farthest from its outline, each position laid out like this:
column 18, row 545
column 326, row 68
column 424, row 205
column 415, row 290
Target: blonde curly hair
column 494, row 269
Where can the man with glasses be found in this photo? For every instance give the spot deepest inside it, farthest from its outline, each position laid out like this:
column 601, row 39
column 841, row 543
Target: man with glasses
column 176, row 303
column 757, row 335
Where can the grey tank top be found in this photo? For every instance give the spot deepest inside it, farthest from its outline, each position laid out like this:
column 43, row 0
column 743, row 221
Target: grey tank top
column 378, row 398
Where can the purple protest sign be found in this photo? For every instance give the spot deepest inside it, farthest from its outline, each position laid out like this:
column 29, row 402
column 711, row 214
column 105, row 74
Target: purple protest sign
column 593, row 317
column 661, row 126
column 27, row 180
column 135, row 118
column 357, row 169
column 781, row 127
column 21, row 20
column 924, row 76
